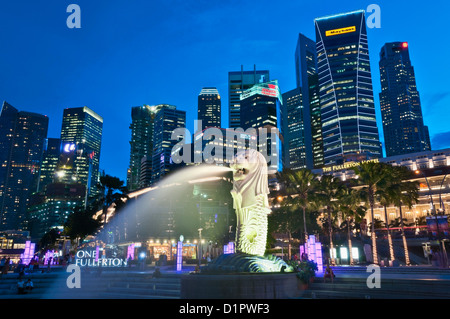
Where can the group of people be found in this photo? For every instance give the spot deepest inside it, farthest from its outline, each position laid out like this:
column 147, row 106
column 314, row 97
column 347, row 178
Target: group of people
column 24, row 286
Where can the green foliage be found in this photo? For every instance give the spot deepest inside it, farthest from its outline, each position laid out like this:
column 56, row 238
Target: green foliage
column 305, row 270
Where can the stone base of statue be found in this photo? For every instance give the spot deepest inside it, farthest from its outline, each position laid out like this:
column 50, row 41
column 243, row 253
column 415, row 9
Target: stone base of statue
column 245, row 263
column 241, row 276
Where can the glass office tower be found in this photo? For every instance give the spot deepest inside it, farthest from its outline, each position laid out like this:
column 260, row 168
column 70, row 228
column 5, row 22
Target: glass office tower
column 22, row 137
column 304, row 121
column 262, row 110
column 141, row 145
column 349, row 126
column 209, row 108
column 403, row 127
column 238, row 82
column 167, row 119
column 81, row 138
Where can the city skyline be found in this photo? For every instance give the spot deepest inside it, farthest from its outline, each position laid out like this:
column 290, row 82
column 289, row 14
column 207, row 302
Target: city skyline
column 108, row 66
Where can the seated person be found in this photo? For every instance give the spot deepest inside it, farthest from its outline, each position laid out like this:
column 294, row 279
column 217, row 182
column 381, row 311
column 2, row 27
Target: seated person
column 328, row 274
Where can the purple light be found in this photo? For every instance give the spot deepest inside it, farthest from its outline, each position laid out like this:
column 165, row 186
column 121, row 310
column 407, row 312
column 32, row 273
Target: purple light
column 97, row 252
column 179, row 255
column 314, row 250
column 229, row 248
column 130, row 252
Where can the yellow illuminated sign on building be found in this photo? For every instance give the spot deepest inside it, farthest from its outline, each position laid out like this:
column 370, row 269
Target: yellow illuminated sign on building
column 347, row 165
column 340, row 31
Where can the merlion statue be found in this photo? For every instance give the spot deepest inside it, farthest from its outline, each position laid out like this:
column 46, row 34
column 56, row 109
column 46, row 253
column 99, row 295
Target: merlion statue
column 250, row 199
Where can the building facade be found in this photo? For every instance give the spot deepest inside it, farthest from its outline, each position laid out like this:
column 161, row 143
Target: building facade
column 345, row 88
column 50, row 161
column 22, row 143
column 403, row 126
column 81, row 138
column 262, row 109
column 141, row 144
column 167, row 119
column 238, row 82
column 209, row 108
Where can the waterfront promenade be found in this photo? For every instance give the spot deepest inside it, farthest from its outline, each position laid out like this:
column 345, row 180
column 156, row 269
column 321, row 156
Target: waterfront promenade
column 414, row 282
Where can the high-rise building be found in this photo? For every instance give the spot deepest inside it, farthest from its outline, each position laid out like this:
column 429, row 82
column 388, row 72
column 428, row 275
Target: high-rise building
column 349, row 126
column 209, row 108
column 51, row 208
column 303, row 130
column 167, row 119
column 403, row 125
column 262, row 108
column 316, row 122
column 22, row 137
column 238, row 82
column 81, row 138
column 141, row 145
column 50, row 160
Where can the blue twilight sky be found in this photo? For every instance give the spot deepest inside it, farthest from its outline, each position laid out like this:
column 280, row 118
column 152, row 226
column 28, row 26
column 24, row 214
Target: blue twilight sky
column 130, row 53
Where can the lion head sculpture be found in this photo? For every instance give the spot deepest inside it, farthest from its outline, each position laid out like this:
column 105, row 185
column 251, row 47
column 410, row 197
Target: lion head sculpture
column 250, row 197
column 250, row 177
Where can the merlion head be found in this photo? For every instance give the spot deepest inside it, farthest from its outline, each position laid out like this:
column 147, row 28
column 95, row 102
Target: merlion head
column 250, row 176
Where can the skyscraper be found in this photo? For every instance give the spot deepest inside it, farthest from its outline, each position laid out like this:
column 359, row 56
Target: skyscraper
column 303, row 132
column 403, row 127
column 21, row 142
column 349, row 126
column 81, row 138
column 141, row 144
column 238, row 82
column 261, row 108
column 50, row 160
column 167, row 119
column 294, row 130
column 209, row 108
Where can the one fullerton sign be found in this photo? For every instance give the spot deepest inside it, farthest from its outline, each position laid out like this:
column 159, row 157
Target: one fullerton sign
column 86, row 258
column 340, row 31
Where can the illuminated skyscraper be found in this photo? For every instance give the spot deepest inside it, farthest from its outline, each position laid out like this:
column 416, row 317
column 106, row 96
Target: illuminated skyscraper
column 22, row 137
column 81, row 138
column 262, row 109
column 167, row 119
column 209, row 108
column 238, row 82
column 50, row 160
column 141, row 145
column 403, row 127
column 303, row 130
column 349, row 126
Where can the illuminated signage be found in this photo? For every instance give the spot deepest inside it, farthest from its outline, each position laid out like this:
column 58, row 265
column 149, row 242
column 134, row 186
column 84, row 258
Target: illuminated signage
column 91, row 259
column 346, row 165
column 69, row 147
column 340, row 31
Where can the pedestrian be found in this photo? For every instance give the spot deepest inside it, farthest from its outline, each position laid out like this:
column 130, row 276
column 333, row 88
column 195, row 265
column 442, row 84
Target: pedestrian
column 156, row 273
column 49, row 264
column 29, row 285
column 21, row 287
column 328, row 274
column 5, row 268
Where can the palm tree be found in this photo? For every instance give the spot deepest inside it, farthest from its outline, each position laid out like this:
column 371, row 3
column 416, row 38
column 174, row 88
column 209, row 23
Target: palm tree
column 300, row 186
column 403, row 193
column 384, row 197
column 351, row 209
column 113, row 193
column 329, row 190
column 370, row 176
